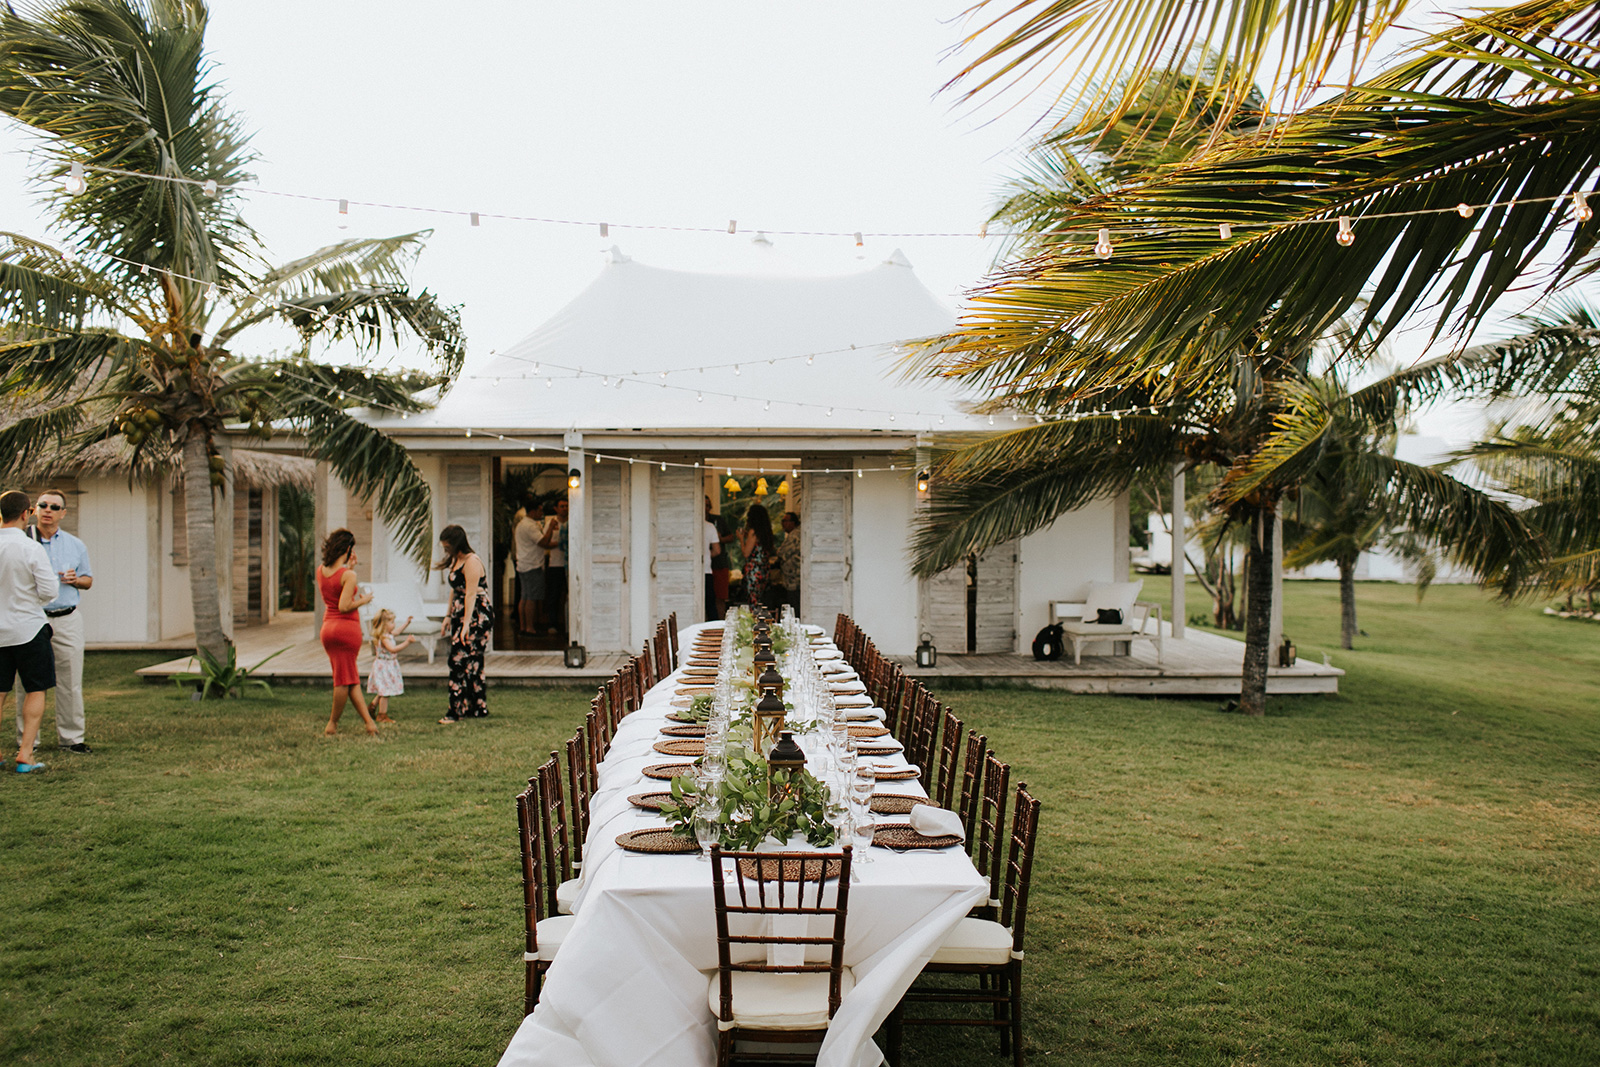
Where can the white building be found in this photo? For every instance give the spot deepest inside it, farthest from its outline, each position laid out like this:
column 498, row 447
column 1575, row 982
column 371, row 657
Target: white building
column 652, row 383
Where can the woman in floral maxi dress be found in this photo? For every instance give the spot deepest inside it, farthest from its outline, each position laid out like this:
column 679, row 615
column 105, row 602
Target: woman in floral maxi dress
column 466, row 627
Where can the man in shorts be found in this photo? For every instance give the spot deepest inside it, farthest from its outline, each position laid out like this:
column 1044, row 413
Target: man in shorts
column 27, row 584
column 526, row 535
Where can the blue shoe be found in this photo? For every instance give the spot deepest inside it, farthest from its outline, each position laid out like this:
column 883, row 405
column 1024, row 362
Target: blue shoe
column 29, row 768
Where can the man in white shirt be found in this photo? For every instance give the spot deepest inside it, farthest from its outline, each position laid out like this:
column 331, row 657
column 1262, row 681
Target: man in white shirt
column 69, row 558
column 526, row 535
column 27, row 584
column 712, row 539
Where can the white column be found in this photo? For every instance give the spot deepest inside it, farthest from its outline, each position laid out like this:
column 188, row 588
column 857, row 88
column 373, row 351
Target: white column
column 1179, row 570
column 577, row 542
column 638, row 574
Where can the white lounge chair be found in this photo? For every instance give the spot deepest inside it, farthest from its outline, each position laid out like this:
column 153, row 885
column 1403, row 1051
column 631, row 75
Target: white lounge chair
column 1076, row 618
column 405, row 599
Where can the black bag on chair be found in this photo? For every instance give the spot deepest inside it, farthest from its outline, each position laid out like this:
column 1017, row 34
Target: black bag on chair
column 1047, row 643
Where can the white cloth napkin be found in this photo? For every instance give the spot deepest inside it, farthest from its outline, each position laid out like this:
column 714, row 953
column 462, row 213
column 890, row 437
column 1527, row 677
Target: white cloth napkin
column 930, row 821
column 865, row 714
column 879, row 764
column 858, row 700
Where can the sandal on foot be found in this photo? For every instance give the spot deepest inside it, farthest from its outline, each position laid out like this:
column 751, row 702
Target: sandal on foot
column 28, row 768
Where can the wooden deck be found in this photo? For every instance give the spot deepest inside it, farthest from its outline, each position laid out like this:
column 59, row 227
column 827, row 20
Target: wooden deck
column 305, row 663
column 1199, row 664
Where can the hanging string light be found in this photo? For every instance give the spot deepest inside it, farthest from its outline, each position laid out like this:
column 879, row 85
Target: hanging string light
column 1580, row 207
column 1347, row 236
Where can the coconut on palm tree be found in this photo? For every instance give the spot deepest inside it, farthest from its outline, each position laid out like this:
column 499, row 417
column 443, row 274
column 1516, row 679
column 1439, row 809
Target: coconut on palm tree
column 130, row 328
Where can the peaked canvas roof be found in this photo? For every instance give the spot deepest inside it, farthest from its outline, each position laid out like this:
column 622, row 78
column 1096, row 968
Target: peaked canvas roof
column 598, row 363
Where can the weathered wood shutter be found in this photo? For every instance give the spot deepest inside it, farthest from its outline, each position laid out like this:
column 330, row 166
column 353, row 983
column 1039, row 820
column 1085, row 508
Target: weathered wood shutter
column 825, row 589
column 997, row 599
column 464, row 491
column 606, row 487
column 944, row 608
column 676, row 567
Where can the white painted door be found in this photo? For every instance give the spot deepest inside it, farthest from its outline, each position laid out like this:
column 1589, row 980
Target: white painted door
column 677, row 579
column 607, row 490
column 825, row 588
column 996, row 629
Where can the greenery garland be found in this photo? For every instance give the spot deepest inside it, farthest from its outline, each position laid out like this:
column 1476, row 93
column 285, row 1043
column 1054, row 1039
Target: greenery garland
column 744, row 807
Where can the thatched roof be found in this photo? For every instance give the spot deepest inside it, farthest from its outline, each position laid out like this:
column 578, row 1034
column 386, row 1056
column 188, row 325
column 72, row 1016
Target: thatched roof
column 114, row 456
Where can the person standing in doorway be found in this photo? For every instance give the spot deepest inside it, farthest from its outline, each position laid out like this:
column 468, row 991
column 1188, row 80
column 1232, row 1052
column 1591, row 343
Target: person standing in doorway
column 720, row 563
column 69, row 558
column 759, row 552
column 27, row 584
column 555, row 571
column 530, row 563
column 711, row 542
column 788, row 578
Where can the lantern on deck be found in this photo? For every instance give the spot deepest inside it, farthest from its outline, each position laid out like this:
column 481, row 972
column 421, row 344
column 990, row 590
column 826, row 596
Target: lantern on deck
column 786, row 762
column 927, row 655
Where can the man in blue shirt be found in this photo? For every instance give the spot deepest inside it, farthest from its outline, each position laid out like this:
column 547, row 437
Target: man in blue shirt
column 69, row 558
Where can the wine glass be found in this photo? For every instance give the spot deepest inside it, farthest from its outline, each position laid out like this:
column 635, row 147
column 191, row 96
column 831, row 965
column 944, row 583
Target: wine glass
column 861, row 830
column 707, row 830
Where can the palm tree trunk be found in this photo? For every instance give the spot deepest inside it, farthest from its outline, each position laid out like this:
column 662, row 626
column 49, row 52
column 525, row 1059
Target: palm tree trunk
column 204, row 592
column 1347, row 602
column 1258, row 613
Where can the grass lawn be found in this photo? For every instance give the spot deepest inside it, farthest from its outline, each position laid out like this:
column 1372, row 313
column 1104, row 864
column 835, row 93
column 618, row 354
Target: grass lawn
column 1408, row 872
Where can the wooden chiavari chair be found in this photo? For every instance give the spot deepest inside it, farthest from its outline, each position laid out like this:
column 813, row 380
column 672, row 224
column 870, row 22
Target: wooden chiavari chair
column 544, row 930
column 949, row 761
column 989, row 949
column 777, row 1002
column 672, row 637
column 985, row 846
column 972, row 782
column 925, row 730
column 580, row 788
column 647, row 670
column 561, row 887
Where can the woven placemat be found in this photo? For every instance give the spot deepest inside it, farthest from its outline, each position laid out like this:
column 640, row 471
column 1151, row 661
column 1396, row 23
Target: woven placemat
column 668, row 771
column 680, row 748
column 867, row 730
column 898, row 774
column 658, row 839
column 687, row 730
column 650, row 801
column 693, row 690
column 906, row 837
column 678, row 716
column 793, row 869
column 878, row 750
column 894, row 804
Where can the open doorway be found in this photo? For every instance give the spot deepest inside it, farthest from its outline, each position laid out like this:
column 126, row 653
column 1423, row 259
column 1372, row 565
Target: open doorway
column 530, row 580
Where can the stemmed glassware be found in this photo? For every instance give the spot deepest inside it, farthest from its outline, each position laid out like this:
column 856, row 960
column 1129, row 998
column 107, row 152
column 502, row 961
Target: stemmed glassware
column 862, row 826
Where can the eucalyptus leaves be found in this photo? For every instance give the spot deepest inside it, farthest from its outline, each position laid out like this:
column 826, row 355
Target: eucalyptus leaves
column 745, row 811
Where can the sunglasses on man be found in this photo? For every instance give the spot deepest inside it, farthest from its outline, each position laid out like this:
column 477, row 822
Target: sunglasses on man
column 49, row 507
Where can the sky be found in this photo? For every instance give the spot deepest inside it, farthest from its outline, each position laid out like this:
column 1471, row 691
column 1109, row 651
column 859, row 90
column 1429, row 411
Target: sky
column 822, row 115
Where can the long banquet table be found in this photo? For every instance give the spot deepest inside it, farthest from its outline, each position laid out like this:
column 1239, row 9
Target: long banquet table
column 629, row 985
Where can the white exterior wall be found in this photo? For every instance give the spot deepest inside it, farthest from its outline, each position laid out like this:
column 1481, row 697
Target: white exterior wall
column 113, row 521
column 884, row 592
column 177, row 605
column 1057, row 561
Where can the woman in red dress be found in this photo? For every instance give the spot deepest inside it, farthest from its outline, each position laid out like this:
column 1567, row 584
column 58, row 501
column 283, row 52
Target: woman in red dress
column 341, row 626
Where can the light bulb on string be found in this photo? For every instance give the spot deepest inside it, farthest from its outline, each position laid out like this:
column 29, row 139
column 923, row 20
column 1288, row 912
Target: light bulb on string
column 75, row 183
column 209, row 187
column 1102, row 244
column 1224, row 230
column 735, row 369
column 811, row 359
column 549, row 383
column 1347, row 236
column 1464, row 209
column 1580, row 207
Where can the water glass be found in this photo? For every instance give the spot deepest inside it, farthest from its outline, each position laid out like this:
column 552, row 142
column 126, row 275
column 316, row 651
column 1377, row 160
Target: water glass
column 861, row 830
column 707, row 830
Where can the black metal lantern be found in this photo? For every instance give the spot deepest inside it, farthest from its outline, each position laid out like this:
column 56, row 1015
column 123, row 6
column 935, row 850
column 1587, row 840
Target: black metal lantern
column 575, row 656
column 927, row 655
column 785, row 764
column 766, row 721
column 1286, row 653
column 762, row 659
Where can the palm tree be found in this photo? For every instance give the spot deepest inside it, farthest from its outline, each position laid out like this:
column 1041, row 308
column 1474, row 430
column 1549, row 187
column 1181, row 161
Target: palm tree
column 1151, row 352
column 129, row 330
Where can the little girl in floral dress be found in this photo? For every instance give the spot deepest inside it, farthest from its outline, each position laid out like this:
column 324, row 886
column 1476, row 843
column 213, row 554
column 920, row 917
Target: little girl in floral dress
column 384, row 681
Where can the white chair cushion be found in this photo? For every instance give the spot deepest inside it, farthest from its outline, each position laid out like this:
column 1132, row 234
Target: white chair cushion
column 551, row 933
column 764, row 1001
column 975, row 941
column 1116, row 596
column 566, row 893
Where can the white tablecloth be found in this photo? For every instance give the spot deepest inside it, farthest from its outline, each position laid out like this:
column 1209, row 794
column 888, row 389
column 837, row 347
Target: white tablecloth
column 628, row 987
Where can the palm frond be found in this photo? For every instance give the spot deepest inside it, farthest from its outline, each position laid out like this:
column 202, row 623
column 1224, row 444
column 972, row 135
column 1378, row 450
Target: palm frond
column 1100, row 53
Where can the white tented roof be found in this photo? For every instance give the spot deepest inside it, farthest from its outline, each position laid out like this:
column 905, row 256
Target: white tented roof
column 635, row 321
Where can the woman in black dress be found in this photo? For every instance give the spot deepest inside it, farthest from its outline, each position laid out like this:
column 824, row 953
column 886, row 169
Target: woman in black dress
column 466, row 627
column 759, row 554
